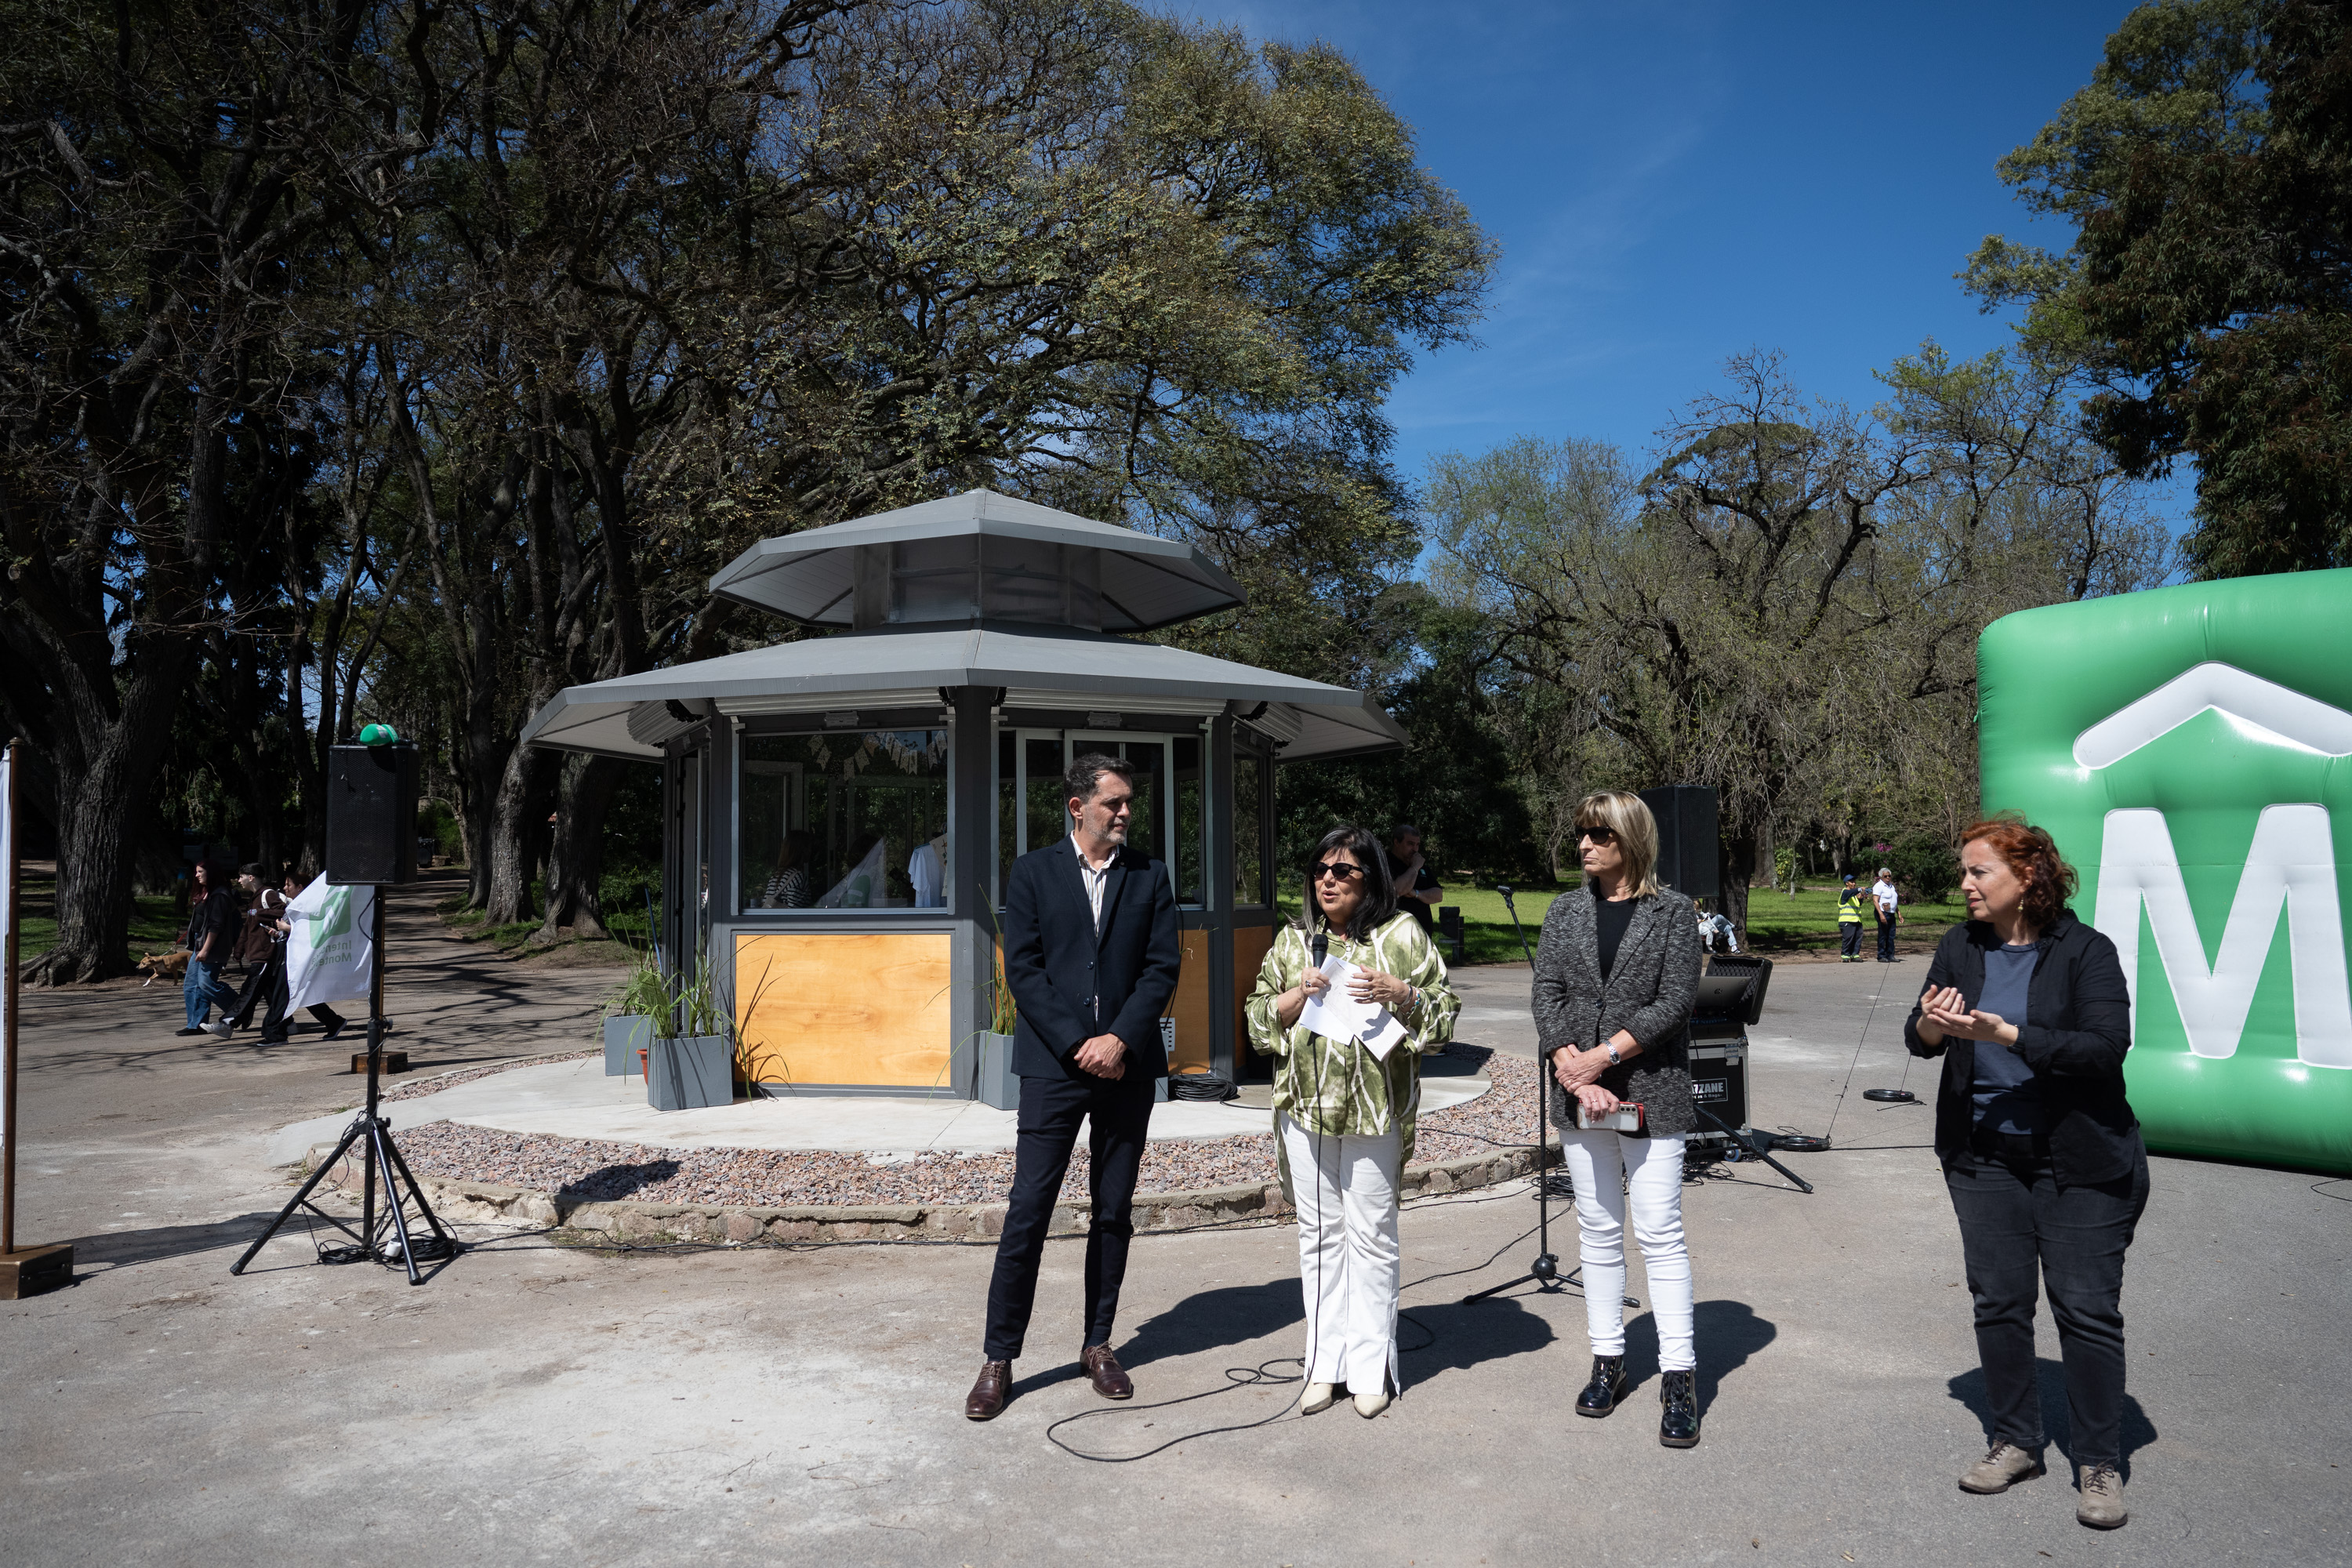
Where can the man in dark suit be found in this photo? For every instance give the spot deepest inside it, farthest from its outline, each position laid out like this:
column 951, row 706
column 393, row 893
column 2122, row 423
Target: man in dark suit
column 1091, row 951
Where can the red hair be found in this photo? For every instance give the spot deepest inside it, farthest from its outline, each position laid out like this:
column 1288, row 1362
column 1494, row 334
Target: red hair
column 2033, row 856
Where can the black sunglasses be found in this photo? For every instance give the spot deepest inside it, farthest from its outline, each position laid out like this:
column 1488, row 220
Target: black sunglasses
column 1598, row 835
column 1339, row 868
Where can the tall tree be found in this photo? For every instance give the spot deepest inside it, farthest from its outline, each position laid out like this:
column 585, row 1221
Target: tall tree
column 2207, row 170
column 162, row 168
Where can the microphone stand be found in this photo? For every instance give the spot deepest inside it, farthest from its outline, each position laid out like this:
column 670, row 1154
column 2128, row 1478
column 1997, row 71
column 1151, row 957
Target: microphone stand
column 1545, row 1269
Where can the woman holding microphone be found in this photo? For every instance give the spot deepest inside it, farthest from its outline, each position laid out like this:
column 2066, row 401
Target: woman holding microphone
column 1616, row 973
column 2040, row 1151
column 1344, row 1110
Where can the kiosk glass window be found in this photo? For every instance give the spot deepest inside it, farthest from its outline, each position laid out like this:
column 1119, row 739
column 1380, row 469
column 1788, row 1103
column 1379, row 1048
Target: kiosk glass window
column 844, row 820
column 1191, row 825
column 1252, row 807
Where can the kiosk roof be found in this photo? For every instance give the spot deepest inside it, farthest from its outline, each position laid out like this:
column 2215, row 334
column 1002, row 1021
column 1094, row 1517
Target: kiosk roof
column 1038, row 666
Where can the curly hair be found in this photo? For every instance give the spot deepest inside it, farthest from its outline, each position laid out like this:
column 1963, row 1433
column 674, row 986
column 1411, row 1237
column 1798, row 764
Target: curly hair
column 2032, row 854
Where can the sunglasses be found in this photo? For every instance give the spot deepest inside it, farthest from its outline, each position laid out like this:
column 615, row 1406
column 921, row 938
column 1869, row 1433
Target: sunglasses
column 1337, row 870
column 1603, row 836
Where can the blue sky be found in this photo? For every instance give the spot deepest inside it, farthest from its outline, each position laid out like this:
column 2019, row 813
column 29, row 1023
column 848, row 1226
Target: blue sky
column 1673, row 185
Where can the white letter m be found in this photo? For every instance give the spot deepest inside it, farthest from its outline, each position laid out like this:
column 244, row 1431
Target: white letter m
column 2291, row 866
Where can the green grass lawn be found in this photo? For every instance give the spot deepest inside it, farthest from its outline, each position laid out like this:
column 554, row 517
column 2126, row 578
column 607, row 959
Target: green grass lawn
column 156, row 923
column 1776, row 923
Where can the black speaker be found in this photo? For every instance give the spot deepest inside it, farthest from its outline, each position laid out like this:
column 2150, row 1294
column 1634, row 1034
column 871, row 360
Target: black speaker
column 372, row 814
column 1688, row 859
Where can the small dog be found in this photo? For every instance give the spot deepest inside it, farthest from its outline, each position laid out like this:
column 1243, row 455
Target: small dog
column 164, row 966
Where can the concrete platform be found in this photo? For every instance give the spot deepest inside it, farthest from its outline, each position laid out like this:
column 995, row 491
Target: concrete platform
column 575, row 1099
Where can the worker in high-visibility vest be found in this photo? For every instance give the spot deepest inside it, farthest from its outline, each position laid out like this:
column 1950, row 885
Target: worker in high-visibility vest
column 1851, row 901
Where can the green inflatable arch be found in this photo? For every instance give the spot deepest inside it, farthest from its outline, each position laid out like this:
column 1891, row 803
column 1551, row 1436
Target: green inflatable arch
column 2190, row 750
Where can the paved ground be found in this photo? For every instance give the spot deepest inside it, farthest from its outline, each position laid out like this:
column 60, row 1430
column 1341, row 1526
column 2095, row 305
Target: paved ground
column 517, row 1407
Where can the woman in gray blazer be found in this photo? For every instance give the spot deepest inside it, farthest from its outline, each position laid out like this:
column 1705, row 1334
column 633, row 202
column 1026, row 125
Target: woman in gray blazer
column 1615, row 975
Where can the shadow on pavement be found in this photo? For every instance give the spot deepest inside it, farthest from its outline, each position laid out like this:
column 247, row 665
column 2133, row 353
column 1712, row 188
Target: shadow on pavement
column 1231, row 1315
column 1465, row 1333
column 123, row 1247
column 1728, row 1334
column 2057, row 1420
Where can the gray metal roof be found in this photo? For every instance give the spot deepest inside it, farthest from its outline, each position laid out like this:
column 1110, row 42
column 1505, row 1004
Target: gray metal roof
column 1038, row 666
column 1146, row 582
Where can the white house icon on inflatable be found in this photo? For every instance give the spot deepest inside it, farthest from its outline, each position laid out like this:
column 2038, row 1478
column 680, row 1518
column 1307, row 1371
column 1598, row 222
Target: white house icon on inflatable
column 2290, row 868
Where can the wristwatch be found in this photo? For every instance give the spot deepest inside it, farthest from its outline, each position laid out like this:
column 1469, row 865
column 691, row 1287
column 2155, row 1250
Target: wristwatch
column 1614, row 1060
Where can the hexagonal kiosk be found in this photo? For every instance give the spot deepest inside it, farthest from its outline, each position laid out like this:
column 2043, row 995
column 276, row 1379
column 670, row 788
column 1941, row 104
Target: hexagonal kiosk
column 840, row 812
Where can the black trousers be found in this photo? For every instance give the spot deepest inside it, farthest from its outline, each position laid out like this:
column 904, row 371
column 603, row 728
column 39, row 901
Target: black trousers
column 1119, row 1116
column 1885, row 940
column 1849, row 938
column 266, row 981
column 2022, row 1233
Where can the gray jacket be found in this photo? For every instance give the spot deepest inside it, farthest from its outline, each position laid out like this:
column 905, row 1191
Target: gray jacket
column 1649, row 995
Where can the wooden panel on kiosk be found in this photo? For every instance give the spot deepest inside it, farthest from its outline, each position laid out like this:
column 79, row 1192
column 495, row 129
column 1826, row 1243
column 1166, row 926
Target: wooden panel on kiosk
column 844, row 1007
column 1190, row 1006
column 1251, row 944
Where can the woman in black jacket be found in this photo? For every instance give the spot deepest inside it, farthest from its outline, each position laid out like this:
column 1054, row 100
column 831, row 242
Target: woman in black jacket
column 1615, row 976
column 2028, row 1008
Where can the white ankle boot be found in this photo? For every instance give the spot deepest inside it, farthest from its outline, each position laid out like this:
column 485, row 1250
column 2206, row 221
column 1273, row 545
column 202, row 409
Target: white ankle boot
column 1317, row 1398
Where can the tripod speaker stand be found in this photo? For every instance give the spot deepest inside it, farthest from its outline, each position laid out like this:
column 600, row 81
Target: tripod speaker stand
column 1545, row 1269
column 372, row 842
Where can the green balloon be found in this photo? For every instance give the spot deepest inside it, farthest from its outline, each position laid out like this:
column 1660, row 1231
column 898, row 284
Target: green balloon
column 377, row 735
column 2190, row 750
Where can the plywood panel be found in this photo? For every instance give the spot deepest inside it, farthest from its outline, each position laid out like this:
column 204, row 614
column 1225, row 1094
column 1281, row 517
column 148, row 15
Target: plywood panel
column 1190, row 1006
column 835, row 1008
column 1251, row 944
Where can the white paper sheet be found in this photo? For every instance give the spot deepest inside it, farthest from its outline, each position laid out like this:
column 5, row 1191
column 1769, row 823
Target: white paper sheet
column 1336, row 1015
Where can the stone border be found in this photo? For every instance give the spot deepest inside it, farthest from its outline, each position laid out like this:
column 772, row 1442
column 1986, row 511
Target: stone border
column 481, row 1203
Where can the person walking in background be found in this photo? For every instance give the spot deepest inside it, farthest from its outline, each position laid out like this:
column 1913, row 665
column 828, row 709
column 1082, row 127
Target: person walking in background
column 211, row 931
column 1850, row 902
column 1616, row 973
column 1889, row 905
column 1091, row 952
column 2041, row 1152
column 1418, row 892
column 1344, row 1112
column 251, row 953
column 275, row 991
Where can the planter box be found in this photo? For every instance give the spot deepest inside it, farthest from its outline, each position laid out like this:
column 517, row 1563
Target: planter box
column 1000, row 1086
column 690, row 1072
column 625, row 1034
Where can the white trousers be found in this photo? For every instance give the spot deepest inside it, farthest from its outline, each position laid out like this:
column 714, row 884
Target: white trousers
column 1346, row 1190
column 1608, row 1170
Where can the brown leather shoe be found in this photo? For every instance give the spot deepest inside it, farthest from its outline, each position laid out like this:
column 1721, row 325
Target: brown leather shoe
column 1110, row 1378
column 986, row 1400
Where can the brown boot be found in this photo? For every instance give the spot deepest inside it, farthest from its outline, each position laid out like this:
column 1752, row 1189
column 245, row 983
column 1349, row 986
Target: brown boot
column 2101, row 1505
column 986, row 1400
column 2004, row 1465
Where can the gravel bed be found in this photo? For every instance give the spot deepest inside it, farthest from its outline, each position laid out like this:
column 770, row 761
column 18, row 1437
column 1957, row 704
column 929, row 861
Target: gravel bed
column 581, row 1170
column 417, row 1089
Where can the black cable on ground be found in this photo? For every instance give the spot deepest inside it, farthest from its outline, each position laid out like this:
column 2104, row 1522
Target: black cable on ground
column 1871, row 1018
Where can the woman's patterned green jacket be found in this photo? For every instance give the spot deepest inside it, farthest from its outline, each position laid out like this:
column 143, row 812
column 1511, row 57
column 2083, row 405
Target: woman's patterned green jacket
column 1337, row 1086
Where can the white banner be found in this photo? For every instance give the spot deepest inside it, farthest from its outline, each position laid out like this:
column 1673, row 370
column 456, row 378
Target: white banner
column 327, row 952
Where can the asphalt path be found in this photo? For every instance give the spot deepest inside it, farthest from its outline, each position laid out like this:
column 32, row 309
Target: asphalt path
column 522, row 1406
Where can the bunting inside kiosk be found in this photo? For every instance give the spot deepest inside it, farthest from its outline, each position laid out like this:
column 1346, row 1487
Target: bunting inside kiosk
column 840, row 812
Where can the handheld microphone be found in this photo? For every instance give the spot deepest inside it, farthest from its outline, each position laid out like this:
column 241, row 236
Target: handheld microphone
column 1320, row 946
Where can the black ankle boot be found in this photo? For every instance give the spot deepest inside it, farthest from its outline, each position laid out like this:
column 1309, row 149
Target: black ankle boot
column 1608, row 1385
column 1678, row 1423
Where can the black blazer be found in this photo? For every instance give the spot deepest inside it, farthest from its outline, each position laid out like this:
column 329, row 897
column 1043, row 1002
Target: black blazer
column 2076, row 1046
column 1648, row 995
column 1055, row 961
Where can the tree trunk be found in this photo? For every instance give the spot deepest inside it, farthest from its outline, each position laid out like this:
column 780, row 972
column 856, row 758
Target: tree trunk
column 1736, row 858
column 97, row 844
column 515, row 808
column 575, row 860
